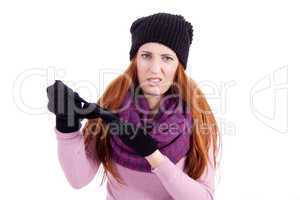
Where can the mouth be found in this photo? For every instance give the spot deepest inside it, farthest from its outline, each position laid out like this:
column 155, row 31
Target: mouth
column 154, row 81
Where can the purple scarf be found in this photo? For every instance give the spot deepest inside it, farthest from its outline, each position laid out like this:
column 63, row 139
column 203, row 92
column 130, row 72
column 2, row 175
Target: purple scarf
column 171, row 127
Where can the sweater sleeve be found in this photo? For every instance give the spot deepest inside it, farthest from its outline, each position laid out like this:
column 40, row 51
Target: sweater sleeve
column 180, row 186
column 77, row 167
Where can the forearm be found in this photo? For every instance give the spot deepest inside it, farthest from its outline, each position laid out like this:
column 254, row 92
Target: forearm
column 178, row 184
column 155, row 159
column 77, row 167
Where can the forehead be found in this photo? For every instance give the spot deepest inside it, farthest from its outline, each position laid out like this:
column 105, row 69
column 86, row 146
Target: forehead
column 156, row 48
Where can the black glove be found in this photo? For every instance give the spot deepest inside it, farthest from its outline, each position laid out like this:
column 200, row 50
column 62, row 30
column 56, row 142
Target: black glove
column 70, row 108
column 135, row 137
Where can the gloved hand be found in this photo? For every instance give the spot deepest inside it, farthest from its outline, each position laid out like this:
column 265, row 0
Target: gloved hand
column 70, row 109
column 135, row 137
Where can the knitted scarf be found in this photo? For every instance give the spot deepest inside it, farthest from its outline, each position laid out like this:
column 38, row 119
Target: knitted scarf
column 171, row 127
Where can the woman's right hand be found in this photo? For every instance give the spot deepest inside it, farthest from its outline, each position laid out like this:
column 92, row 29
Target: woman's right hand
column 63, row 102
column 70, row 108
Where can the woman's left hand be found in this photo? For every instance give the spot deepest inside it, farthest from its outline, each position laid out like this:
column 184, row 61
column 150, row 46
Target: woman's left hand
column 135, row 137
column 155, row 159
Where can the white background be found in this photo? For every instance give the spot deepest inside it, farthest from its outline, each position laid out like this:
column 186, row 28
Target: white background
column 245, row 57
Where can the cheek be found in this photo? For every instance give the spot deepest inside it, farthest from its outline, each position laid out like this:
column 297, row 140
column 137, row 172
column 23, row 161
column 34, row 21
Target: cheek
column 170, row 72
column 142, row 65
column 169, row 77
column 141, row 71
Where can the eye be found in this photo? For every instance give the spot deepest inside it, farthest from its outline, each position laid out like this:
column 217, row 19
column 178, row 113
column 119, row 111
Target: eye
column 145, row 55
column 168, row 58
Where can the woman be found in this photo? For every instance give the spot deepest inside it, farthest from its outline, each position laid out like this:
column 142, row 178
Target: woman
column 175, row 156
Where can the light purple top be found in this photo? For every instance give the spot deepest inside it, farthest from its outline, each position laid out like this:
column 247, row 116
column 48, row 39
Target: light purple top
column 167, row 181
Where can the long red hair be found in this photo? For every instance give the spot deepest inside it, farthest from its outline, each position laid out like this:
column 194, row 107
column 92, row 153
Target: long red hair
column 205, row 134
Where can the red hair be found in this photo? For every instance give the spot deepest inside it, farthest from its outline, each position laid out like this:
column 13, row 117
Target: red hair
column 204, row 132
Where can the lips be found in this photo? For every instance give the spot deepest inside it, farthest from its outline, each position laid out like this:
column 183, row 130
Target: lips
column 154, row 81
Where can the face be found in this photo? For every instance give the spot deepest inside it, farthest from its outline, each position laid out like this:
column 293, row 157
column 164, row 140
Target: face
column 156, row 67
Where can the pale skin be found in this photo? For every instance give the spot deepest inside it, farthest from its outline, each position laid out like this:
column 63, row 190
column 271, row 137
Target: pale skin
column 159, row 61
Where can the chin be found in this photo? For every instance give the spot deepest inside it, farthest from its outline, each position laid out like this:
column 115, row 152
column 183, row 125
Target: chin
column 152, row 91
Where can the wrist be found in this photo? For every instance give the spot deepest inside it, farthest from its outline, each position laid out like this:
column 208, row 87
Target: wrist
column 155, row 159
column 65, row 126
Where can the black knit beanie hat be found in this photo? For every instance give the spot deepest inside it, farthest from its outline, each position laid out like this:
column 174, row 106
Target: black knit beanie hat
column 169, row 29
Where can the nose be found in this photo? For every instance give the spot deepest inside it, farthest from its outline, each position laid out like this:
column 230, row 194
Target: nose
column 155, row 66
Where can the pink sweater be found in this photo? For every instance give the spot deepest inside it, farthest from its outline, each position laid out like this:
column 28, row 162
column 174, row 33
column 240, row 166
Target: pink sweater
column 167, row 181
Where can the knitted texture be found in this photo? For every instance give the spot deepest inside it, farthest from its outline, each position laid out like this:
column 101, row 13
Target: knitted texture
column 170, row 127
column 169, row 29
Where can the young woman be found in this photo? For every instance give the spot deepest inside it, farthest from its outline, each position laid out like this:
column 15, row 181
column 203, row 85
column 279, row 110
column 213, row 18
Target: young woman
column 174, row 157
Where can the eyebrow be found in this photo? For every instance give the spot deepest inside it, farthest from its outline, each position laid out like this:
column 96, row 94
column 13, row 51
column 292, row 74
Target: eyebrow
column 164, row 54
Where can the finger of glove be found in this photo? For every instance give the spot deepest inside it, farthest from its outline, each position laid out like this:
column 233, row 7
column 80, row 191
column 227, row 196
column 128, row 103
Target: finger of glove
column 89, row 111
column 85, row 111
column 93, row 110
column 75, row 106
column 61, row 99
